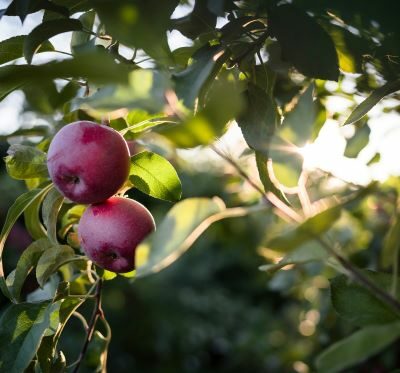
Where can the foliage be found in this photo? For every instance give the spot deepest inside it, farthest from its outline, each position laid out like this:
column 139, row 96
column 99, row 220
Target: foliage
column 266, row 69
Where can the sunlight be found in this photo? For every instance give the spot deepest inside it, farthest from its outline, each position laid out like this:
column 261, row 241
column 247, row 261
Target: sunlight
column 326, row 153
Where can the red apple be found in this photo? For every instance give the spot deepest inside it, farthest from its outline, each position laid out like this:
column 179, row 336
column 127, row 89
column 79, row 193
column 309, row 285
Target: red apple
column 109, row 232
column 88, row 162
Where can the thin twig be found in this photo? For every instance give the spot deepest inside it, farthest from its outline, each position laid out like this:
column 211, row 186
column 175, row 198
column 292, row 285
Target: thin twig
column 303, row 195
column 97, row 312
column 268, row 197
column 361, row 278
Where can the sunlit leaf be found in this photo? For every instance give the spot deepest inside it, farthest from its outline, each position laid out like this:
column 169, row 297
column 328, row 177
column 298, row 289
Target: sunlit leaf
column 155, row 176
column 32, row 219
column 51, row 206
column 51, row 260
column 21, row 329
column 26, row 162
column 265, row 177
column 259, row 120
column 357, row 347
column 45, row 31
column 350, row 47
column 377, row 95
column 183, row 224
column 295, row 131
column 358, row 305
column 309, row 252
column 146, row 91
column 222, row 104
column 298, row 123
column 313, row 227
column 357, row 142
column 70, row 218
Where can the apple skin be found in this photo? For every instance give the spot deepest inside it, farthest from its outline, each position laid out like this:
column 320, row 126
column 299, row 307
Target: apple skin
column 109, row 232
column 88, row 162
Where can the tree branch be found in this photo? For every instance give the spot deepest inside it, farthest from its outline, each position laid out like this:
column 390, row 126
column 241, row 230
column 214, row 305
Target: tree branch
column 97, row 312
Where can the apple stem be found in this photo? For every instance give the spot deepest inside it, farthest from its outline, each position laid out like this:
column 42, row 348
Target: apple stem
column 97, row 313
column 105, row 121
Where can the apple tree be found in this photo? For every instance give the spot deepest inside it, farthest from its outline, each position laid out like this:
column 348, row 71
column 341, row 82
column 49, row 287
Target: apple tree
column 155, row 105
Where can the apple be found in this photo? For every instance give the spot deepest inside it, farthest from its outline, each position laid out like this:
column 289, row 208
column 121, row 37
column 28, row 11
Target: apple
column 88, row 162
column 109, row 232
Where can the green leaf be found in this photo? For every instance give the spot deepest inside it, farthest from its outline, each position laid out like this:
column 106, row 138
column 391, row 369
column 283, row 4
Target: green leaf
column 309, row 252
column 298, row 123
column 21, row 8
column 145, row 125
column 377, row 95
column 26, row 263
column 96, row 352
column 295, row 131
column 304, row 42
column 19, row 206
column 15, row 9
column 357, row 305
column 12, row 48
column 82, row 37
column 207, row 61
column 351, row 48
column 357, row 142
column 51, row 260
column 32, row 219
column 51, row 206
column 308, row 230
column 48, row 358
column 21, row 329
column 70, row 218
column 146, row 91
column 26, row 162
column 265, row 177
column 200, row 20
column 139, row 24
column 356, row 348
column 7, row 87
column 222, row 104
column 45, row 31
column 287, row 163
column 183, row 224
column 391, row 243
column 259, row 120
column 96, row 66
column 155, row 176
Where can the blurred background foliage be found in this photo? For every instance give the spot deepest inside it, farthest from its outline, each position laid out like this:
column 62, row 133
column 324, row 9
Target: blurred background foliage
column 214, row 310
